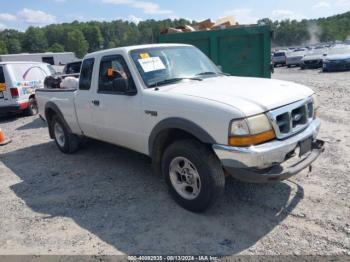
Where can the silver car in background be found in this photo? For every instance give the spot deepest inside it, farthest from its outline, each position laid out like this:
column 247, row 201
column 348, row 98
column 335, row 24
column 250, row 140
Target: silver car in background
column 279, row 58
column 294, row 58
column 314, row 58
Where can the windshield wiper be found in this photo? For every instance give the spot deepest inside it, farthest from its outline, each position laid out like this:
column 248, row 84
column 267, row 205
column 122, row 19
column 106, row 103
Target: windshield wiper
column 212, row 73
column 173, row 80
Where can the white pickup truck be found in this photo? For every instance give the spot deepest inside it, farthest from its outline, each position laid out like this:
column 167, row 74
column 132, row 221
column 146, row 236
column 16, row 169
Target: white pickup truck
column 170, row 102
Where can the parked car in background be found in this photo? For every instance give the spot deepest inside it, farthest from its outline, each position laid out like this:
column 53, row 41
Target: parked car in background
column 72, row 68
column 294, row 58
column 313, row 59
column 18, row 82
column 337, row 59
column 279, row 58
column 172, row 103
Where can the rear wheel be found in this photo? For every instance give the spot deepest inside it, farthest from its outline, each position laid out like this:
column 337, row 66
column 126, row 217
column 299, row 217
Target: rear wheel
column 68, row 143
column 32, row 107
column 193, row 174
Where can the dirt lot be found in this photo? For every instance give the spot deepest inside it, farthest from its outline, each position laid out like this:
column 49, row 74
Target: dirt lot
column 105, row 200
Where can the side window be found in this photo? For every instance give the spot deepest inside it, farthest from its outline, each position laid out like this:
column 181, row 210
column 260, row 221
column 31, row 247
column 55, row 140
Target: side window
column 49, row 60
column 2, row 76
column 114, row 76
column 86, row 74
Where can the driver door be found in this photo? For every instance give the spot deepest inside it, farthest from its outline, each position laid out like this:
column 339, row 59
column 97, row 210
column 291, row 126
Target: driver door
column 117, row 106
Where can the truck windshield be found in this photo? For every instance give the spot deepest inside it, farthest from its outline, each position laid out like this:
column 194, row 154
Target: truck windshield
column 157, row 65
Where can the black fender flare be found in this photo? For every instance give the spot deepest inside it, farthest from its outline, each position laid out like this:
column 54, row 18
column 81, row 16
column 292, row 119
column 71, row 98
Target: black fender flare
column 52, row 106
column 179, row 123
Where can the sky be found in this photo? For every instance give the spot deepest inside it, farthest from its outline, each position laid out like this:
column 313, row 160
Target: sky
column 20, row 14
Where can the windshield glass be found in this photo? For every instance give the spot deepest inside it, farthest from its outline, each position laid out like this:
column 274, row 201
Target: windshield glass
column 318, row 51
column 298, row 53
column 339, row 50
column 157, row 65
column 279, row 54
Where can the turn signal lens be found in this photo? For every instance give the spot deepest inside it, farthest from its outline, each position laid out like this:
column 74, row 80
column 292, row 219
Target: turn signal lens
column 242, row 141
column 316, row 105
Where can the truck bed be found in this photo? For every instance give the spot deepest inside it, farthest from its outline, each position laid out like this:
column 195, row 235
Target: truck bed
column 63, row 98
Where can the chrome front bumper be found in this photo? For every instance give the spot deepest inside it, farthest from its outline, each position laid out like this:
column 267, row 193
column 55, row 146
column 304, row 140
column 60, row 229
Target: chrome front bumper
column 250, row 163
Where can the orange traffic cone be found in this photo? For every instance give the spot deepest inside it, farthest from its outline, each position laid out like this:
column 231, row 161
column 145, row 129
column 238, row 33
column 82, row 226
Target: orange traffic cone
column 3, row 140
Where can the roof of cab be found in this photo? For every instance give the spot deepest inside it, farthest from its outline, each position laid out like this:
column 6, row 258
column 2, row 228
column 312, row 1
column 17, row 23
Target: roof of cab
column 134, row 47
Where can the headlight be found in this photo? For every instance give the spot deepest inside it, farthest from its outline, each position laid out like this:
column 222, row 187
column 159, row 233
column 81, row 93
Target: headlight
column 316, row 105
column 250, row 131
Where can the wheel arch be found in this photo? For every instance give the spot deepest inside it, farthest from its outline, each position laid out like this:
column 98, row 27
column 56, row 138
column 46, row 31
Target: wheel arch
column 51, row 109
column 170, row 130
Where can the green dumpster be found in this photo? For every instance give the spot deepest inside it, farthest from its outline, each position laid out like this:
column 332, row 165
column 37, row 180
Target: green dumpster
column 240, row 51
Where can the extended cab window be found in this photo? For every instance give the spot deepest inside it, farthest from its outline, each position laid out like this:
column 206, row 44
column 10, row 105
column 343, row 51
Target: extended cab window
column 114, row 76
column 86, row 74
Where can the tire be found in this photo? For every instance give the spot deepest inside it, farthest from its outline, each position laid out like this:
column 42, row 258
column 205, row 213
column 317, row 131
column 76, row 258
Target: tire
column 67, row 142
column 193, row 174
column 32, row 108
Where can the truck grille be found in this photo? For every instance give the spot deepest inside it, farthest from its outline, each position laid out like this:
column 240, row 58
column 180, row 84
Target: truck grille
column 291, row 119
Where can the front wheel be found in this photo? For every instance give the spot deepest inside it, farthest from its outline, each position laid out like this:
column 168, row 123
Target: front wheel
column 193, row 174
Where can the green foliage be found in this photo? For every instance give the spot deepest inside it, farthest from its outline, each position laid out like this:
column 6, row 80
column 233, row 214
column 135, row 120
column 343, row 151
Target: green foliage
column 309, row 31
column 93, row 36
column 76, row 43
column 3, row 48
column 56, row 47
column 13, row 46
column 34, row 40
column 86, row 37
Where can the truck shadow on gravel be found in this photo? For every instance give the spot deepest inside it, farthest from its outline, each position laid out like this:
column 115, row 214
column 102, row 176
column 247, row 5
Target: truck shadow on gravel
column 112, row 193
column 36, row 123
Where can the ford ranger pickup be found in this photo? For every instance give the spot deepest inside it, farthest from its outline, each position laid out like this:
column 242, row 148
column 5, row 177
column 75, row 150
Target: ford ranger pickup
column 197, row 124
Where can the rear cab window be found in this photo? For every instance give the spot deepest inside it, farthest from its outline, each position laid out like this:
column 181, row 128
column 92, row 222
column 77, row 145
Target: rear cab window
column 86, row 74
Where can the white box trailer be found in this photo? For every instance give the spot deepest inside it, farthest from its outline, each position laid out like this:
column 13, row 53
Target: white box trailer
column 56, row 59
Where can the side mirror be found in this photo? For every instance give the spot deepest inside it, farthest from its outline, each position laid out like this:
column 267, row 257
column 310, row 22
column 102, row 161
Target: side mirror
column 121, row 85
column 219, row 66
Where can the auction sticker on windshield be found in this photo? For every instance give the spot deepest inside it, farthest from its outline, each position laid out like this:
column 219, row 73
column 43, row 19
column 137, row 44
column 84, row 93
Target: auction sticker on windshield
column 151, row 64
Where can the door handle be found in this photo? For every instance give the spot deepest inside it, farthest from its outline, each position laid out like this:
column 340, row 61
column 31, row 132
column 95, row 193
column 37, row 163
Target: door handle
column 96, row 102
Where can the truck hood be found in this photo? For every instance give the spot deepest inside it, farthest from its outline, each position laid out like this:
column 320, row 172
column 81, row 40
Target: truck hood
column 248, row 95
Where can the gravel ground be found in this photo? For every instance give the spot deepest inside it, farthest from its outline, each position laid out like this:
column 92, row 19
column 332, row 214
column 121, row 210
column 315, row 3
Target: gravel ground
column 105, row 200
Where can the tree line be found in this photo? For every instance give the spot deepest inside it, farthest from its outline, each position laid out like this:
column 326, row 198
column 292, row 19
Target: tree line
column 292, row 32
column 83, row 37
